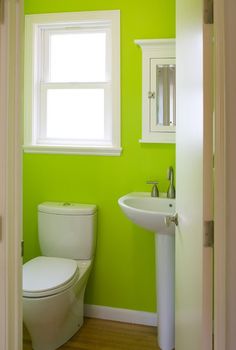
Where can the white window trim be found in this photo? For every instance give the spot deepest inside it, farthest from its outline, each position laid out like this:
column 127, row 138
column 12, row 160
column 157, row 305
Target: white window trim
column 30, row 129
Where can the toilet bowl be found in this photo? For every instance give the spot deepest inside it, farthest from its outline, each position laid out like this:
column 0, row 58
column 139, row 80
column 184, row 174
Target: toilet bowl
column 54, row 284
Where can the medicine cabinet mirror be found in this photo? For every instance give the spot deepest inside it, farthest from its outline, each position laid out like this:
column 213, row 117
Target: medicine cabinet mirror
column 158, row 90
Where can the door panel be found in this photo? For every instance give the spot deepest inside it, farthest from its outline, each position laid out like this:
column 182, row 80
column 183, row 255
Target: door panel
column 190, row 254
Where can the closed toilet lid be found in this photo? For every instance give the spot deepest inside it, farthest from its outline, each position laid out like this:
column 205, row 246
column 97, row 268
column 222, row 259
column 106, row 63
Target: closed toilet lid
column 44, row 274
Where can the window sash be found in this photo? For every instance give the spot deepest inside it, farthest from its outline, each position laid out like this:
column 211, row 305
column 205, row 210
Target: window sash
column 41, row 137
column 46, row 33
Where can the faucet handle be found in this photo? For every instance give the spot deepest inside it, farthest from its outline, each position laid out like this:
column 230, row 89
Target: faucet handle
column 155, row 192
column 152, row 182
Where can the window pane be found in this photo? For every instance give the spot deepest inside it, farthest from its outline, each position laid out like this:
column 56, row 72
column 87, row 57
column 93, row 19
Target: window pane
column 77, row 57
column 75, row 114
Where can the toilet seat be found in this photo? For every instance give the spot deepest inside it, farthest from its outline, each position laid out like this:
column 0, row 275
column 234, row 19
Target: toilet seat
column 45, row 276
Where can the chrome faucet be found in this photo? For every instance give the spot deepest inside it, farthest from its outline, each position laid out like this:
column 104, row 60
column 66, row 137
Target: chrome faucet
column 171, row 189
column 155, row 192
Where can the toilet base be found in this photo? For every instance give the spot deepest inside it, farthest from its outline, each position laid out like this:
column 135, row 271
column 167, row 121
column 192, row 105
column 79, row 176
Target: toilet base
column 51, row 321
column 56, row 329
column 53, row 345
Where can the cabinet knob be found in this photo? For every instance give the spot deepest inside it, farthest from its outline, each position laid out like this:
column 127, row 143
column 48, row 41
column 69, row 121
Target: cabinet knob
column 151, row 94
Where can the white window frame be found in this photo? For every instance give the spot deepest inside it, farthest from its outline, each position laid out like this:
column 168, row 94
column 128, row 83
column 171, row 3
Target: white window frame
column 36, row 81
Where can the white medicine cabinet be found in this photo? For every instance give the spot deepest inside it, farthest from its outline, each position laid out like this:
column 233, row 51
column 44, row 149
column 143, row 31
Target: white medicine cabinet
column 158, row 90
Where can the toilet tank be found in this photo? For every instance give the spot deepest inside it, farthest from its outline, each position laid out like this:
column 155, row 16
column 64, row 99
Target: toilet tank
column 67, row 230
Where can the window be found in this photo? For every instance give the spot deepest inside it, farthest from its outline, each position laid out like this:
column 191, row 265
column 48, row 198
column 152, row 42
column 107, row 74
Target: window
column 72, row 83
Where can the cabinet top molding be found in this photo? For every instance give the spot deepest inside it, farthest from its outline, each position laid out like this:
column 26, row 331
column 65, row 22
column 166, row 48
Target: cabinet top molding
column 150, row 43
column 157, row 44
column 161, row 48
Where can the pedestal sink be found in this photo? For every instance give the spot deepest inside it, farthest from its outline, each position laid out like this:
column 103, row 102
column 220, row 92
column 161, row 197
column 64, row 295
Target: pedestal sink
column 157, row 214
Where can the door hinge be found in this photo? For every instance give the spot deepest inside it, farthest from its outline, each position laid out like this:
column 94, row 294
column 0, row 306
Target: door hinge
column 0, row 228
column 208, row 11
column 22, row 248
column 2, row 11
column 208, row 231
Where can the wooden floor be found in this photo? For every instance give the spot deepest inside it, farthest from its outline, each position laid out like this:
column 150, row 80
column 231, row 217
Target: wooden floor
column 108, row 335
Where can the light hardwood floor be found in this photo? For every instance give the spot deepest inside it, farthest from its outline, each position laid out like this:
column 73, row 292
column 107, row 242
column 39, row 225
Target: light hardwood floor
column 108, row 335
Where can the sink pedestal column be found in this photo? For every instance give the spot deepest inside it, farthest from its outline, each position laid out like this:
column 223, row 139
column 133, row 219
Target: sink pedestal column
column 165, row 282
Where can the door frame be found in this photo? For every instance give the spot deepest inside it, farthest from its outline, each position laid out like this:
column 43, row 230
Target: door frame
column 220, row 168
column 208, row 180
column 10, row 174
column 11, row 185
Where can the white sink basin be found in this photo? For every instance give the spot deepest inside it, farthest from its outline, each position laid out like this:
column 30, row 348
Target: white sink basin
column 149, row 212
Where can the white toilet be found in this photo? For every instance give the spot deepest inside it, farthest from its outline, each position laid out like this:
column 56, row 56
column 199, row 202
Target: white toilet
column 54, row 284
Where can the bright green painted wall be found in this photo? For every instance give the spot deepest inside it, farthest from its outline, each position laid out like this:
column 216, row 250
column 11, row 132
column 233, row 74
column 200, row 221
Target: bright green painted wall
column 123, row 274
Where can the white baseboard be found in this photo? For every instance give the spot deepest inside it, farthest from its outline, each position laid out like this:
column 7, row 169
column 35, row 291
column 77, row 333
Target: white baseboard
column 121, row 315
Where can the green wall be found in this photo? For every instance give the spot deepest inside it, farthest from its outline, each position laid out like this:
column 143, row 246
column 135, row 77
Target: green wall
column 124, row 268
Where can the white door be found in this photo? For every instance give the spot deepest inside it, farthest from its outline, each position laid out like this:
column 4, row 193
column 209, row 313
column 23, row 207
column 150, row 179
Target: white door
column 193, row 202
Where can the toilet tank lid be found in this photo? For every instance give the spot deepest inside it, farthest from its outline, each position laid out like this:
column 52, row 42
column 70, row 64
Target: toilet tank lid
column 67, row 208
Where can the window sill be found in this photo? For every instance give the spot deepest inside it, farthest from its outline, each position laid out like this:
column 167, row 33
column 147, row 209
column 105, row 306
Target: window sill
column 158, row 137
column 96, row 151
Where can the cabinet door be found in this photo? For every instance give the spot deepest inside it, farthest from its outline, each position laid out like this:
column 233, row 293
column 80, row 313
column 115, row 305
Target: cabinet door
column 158, row 90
